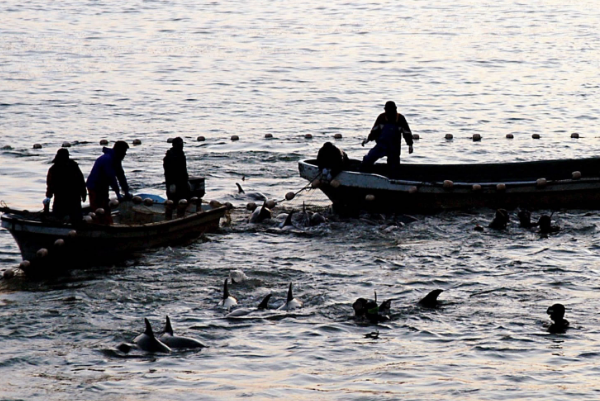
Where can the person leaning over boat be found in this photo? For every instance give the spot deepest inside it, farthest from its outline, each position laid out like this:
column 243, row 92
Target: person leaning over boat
column 387, row 132
column 176, row 174
column 65, row 182
column 108, row 172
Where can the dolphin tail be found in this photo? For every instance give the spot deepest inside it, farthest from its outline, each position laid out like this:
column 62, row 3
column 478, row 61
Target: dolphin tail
column 168, row 328
column 290, row 294
column 265, row 302
column 148, row 330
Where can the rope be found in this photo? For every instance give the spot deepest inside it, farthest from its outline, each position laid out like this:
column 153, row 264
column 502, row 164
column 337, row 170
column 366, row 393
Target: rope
column 306, row 187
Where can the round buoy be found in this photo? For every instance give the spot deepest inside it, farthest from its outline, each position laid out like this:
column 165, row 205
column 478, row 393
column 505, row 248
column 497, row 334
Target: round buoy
column 113, row 204
column 66, row 144
column 251, row 206
column 335, row 183
column 182, row 202
column 170, row 140
column 575, row 135
column 370, row 198
column 137, row 142
column 99, row 212
column 214, row 204
column 229, row 205
column 137, row 200
column 72, row 234
column 509, row 136
column 448, row 184
column 88, row 219
column 536, row 136
column 449, row 136
column 268, row 136
column 270, row 204
column 8, row 274
column 308, row 136
column 476, row 137
column 235, row 138
column 37, row 145
column 24, row 265
column 290, row 195
column 337, row 136
column 541, row 182
column 150, row 202
column 412, row 190
column 41, row 253
column 316, row 183
column 476, row 187
column 92, row 215
column 169, row 203
column 416, row 137
column 103, row 142
column 576, row 175
column 501, row 187
column 59, row 242
column 201, row 139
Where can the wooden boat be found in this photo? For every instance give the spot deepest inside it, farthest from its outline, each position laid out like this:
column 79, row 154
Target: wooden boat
column 429, row 188
column 49, row 245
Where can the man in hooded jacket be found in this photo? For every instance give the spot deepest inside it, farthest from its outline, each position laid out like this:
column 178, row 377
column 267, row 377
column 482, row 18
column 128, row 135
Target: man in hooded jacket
column 176, row 174
column 108, row 173
column 65, row 182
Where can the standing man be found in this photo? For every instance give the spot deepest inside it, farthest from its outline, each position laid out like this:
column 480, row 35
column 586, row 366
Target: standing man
column 176, row 175
column 108, row 172
column 65, row 182
column 387, row 132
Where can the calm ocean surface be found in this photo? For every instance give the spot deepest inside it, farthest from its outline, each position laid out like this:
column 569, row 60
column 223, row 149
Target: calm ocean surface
column 81, row 71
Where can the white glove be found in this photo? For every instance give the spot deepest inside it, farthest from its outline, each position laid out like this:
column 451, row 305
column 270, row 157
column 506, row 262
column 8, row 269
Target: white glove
column 46, row 201
column 172, row 188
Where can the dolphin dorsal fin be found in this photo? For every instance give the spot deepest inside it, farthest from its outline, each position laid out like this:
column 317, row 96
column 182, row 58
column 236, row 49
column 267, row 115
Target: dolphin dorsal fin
column 148, row 331
column 225, row 290
column 240, row 189
column 265, row 302
column 375, row 292
column 290, row 294
column 168, row 328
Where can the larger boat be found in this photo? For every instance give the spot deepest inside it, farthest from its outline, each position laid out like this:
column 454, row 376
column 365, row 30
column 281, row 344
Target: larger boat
column 430, row 188
column 49, row 245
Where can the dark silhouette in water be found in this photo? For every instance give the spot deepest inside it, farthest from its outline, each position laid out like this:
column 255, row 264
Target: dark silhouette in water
column 500, row 220
column 525, row 219
column 368, row 309
column 545, row 223
column 559, row 323
column 430, row 300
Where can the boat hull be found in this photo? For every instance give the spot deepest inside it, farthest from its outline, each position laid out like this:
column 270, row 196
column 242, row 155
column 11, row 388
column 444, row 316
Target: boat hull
column 95, row 244
column 464, row 186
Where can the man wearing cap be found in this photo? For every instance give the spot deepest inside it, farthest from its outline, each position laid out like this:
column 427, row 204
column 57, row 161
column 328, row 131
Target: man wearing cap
column 108, row 172
column 176, row 175
column 387, row 132
column 65, row 182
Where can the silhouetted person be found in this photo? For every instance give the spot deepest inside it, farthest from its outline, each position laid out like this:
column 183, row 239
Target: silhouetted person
column 387, row 132
column 559, row 323
column 65, row 182
column 500, row 220
column 332, row 158
column 525, row 219
column 108, row 173
column 545, row 223
column 176, row 174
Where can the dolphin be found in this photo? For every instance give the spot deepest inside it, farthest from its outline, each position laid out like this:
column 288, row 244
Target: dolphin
column 430, row 300
column 240, row 189
column 174, row 341
column 291, row 303
column 264, row 304
column 148, row 342
column 260, row 214
column 288, row 220
column 228, row 301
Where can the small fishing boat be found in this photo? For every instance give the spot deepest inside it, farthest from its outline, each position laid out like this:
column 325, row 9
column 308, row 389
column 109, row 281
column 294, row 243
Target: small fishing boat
column 49, row 244
column 430, row 188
